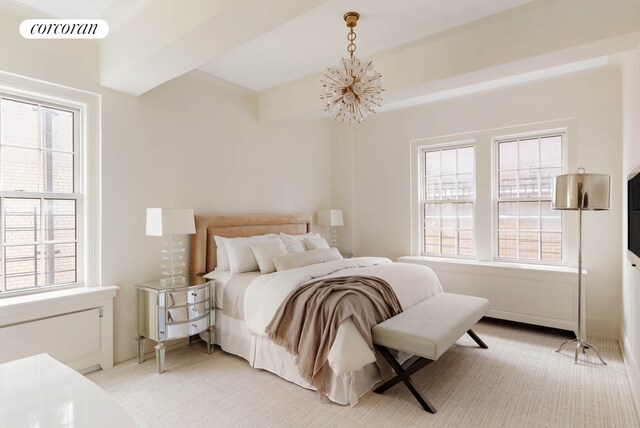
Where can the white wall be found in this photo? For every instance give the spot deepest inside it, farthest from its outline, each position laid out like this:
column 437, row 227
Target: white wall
column 192, row 142
column 630, row 332
column 381, row 177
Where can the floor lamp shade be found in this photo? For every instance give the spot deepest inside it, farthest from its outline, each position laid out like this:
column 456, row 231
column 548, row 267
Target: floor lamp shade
column 582, row 191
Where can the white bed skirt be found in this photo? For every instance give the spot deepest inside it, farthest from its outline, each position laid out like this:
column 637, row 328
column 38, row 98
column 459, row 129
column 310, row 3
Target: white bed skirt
column 234, row 337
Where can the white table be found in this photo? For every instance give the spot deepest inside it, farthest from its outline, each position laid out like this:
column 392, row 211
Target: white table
column 40, row 391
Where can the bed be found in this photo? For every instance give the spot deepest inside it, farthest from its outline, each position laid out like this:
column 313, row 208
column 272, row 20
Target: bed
column 246, row 302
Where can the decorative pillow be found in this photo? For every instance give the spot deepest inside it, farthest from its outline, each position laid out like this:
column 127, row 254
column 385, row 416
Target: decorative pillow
column 221, row 254
column 295, row 260
column 315, row 243
column 295, row 243
column 241, row 258
column 264, row 253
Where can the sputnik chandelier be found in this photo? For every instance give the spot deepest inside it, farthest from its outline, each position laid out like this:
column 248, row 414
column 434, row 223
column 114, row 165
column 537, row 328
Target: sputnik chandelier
column 351, row 89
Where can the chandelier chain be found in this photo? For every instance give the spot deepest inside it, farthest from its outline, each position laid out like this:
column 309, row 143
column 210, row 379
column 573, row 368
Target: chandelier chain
column 351, row 48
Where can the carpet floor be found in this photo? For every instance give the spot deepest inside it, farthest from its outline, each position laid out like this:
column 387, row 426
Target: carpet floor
column 518, row 382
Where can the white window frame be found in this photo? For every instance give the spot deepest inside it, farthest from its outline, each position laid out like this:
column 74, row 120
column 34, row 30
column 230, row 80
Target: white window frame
column 422, row 200
column 495, row 166
column 485, row 207
column 87, row 171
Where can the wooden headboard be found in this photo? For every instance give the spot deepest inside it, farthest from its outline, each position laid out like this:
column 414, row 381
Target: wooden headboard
column 203, row 246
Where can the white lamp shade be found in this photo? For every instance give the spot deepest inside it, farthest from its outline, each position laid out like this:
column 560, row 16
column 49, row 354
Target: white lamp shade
column 589, row 192
column 330, row 218
column 170, row 221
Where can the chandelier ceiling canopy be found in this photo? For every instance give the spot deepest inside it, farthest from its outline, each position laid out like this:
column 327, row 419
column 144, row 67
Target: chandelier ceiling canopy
column 351, row 89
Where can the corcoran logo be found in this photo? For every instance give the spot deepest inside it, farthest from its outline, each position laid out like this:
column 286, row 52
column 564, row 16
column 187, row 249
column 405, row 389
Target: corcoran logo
column 64, row 29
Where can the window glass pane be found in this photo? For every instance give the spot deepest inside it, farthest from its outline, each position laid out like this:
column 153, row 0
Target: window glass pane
column 448, row 187
column 528, row 153
column 465, row 186
column 448, row 161
column 57, row 129
column 449, row 242
column 58, row 172
column 507, row 215
column 21, row 220
column 546, row 180
column 528, row 243
column 23, row 266
column 59, row 263
column 528, row 184
column 465, row 242
column 19, row 124
column 465, row 216
column 59, row 220
column 508, row 155
column 551, row 247
column 432, row 187
column 449, row 218
column 432, row 162
column 551, row 151
column 508, row 244
column 550, row 220
column 529, row 215
column 465, row 160
column 508, row 186
column 20, row 169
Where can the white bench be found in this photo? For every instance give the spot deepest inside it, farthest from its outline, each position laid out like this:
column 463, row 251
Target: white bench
column 427, row 330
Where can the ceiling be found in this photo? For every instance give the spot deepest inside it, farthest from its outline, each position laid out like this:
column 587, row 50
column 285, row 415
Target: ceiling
column 315, row 39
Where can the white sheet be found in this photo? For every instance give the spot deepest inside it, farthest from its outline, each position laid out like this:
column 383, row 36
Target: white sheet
column 412, row 284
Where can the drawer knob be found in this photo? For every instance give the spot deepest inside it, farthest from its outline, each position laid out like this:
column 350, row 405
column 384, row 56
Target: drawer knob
column 194, row 294
column 194, row 325
column 194, row 309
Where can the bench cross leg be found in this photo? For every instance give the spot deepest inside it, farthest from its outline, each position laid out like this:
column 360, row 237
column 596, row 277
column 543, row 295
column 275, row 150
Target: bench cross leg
column 475, row 337
column 404, row 374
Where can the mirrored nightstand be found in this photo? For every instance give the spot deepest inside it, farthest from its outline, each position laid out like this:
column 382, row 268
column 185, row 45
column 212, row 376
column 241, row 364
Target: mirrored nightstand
column 174, row 312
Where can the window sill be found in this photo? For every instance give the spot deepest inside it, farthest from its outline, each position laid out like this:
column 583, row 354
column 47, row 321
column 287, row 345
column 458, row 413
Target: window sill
column 40, row 305
column 476, row 264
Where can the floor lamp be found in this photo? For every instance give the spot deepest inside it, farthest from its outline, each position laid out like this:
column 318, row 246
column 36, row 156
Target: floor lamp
column 581, row 192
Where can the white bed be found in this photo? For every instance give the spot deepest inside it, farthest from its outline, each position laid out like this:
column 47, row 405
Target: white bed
column 247, row 302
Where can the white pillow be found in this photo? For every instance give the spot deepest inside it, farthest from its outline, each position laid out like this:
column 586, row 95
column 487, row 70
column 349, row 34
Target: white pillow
column 315, row 243
column 295, row 260
column 264, row 253
column 221, row 254
column 241, row 258
column 295, row 243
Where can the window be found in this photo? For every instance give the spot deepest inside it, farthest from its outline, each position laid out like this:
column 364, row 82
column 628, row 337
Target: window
column 40, row 194
column 528, row 229
column 448, row 200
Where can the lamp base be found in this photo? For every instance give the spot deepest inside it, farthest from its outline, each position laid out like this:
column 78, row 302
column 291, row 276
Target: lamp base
column 581, row 345
column 173, row 281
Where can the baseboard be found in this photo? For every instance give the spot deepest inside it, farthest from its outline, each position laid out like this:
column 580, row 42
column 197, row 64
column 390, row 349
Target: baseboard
column 632, row 369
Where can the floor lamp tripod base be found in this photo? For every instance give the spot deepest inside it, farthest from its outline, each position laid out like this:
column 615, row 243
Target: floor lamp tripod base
column 581, row 345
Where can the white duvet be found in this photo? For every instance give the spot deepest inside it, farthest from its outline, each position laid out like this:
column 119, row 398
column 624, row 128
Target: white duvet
column 412, row 284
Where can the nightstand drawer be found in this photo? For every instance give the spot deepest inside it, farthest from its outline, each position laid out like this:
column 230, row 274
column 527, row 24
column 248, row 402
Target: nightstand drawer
column 189, row 328
column 185, row 313
column 198, row 295
column 186, row 297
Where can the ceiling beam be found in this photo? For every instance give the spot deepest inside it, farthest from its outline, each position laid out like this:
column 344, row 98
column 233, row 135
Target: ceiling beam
column 153, row 41
column 523, row 42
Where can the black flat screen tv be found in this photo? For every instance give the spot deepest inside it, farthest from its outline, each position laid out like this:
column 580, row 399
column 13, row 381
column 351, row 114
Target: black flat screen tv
column 633, row 202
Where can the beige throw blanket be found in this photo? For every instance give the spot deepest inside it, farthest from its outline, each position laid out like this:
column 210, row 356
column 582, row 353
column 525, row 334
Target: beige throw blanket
column 307, row 321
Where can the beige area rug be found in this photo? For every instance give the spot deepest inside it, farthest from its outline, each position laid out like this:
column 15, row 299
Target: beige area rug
column 518, row 382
